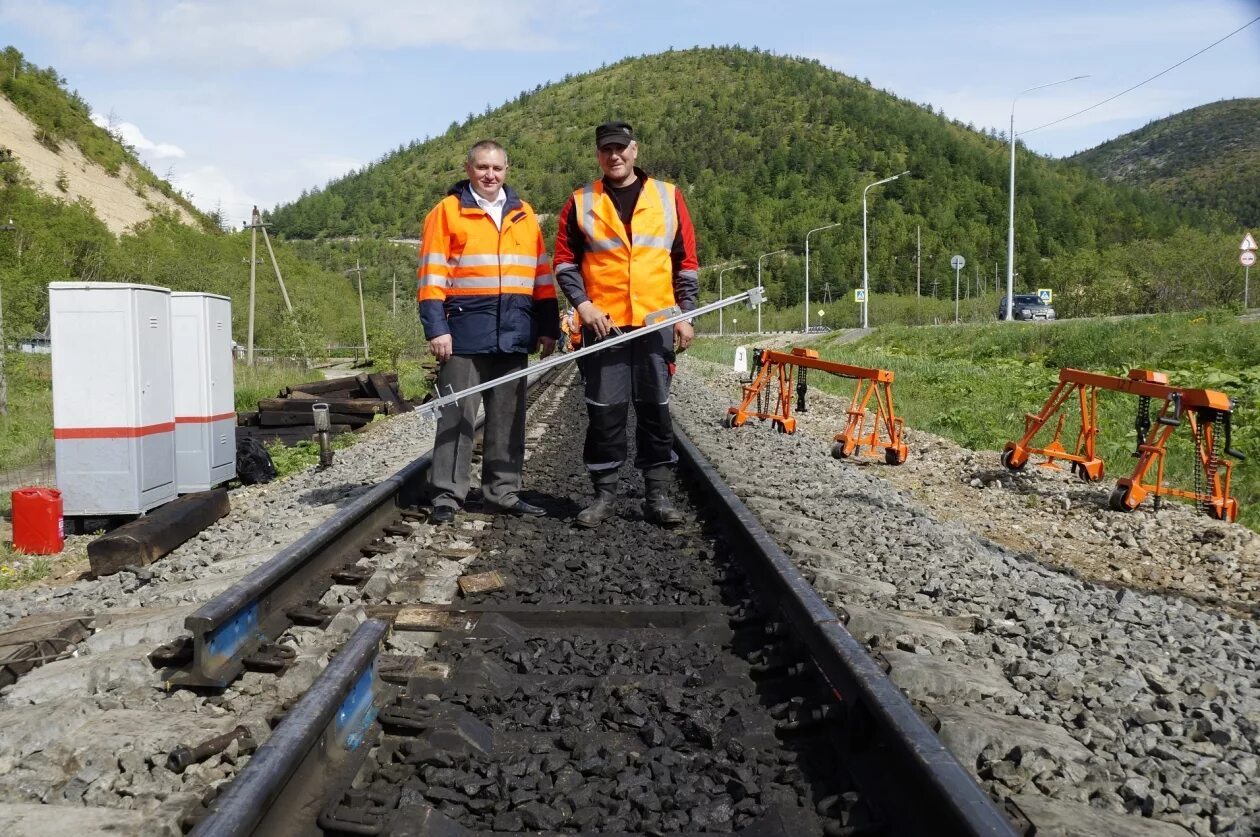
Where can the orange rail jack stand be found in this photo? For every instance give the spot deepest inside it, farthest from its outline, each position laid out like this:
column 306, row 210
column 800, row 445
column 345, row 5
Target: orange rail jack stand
column 885, row 432
column 1208, row 413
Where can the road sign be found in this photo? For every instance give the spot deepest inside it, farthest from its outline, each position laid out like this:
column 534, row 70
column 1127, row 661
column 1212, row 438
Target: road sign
column 957, row 262
column 1247, row 258
column 859, row 295
column 1045, row 295
column 1248, row 243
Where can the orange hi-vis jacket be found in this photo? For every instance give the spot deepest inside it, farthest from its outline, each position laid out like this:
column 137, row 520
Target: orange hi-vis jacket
column 489, row 287
column 628, row 280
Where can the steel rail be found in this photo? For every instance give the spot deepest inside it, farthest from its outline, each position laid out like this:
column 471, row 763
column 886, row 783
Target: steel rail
column 237, row 622
column 284, row 780
column 901, row 758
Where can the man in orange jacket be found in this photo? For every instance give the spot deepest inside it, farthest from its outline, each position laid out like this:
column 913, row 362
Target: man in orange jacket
column 487, row 299
column 628, row 223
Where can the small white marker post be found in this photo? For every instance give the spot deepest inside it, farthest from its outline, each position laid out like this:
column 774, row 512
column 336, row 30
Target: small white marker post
column 1247, row 258
column 957, row 263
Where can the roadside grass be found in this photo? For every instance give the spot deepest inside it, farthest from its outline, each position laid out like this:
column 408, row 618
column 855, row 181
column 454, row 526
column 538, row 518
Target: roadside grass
column 26, row 431
column 296, row 458
column 974, row 383
column 413, row 378
column 266, row 380
column 19, row 569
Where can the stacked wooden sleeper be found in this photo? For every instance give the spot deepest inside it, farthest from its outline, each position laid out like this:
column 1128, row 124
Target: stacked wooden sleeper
column 353, row 402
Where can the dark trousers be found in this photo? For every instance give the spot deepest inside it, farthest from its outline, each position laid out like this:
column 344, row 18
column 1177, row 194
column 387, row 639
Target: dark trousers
column 636, row 371
column 503, row 433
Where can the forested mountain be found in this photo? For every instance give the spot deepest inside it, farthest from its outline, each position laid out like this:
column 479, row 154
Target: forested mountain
column 1207, row 156
column 56, row 236
column 768, row 147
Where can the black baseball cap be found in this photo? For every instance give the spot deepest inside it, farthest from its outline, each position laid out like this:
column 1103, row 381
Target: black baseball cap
column 609, row 133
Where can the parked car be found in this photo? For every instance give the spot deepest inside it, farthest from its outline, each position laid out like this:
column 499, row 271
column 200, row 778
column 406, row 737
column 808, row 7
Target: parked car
column 1027, row 307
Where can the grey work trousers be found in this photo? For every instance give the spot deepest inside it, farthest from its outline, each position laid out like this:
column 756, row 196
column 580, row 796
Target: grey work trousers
column 503, row 433
column 639, row 372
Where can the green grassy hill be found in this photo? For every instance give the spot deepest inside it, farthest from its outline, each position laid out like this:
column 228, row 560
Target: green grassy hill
column 768, row 147
column 1207, row 157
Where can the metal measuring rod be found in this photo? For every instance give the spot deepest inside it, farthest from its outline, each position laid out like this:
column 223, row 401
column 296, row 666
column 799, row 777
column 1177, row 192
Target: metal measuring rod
column 655, row 321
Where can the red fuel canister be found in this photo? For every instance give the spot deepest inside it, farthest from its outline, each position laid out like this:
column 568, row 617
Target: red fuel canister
column 37, row 521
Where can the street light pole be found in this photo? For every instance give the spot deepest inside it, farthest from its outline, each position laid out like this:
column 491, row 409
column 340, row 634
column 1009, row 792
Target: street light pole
column 866, row 279
column 1010, row 228
column 722, row 272
column 807, row 235
column 759, row 260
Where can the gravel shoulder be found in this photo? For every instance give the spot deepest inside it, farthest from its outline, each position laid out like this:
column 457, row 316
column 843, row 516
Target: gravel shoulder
column 1058, row 681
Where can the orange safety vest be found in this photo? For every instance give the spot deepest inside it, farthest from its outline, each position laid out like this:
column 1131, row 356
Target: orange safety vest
column 628, row 280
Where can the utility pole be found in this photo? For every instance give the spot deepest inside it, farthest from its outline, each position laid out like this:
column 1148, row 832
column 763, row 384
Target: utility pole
column 357, row 270
column 256, row 224
column 918, row 262
column 393, row 294
column 253, row 284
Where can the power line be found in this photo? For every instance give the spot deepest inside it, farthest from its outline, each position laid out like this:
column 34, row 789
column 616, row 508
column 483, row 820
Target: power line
column 1140, row 83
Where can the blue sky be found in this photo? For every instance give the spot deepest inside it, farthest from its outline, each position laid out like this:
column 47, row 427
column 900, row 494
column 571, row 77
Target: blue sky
column 251, row 101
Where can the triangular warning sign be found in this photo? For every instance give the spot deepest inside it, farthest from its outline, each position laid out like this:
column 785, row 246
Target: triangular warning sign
column 1249, row 243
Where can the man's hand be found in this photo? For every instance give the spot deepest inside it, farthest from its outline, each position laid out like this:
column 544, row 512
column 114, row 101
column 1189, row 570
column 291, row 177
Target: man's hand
column 546, row 345
column 683, row 335
column 591, row 316
column 441, row 348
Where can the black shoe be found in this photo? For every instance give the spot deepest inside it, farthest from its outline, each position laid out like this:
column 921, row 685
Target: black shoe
column 442, row 515
column 522, row 509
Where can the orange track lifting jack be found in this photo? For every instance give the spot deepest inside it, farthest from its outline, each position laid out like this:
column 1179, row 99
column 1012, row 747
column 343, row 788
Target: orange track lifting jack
column 1207, row 411
column 871, row 383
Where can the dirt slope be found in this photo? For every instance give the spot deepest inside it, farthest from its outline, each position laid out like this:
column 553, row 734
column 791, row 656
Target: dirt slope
column 120, row 201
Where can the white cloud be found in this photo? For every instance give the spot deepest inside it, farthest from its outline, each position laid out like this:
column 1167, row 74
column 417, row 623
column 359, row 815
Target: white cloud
column 211, row 189
column 149, row 150
column 288, row 33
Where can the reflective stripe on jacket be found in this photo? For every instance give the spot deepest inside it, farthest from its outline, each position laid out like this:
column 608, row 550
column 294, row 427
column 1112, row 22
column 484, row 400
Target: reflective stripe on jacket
column 489, row 287
column 628, row 279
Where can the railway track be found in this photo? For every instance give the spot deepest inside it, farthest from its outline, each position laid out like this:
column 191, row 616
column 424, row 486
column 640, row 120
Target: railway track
column 1097, row 710
column 629, row 680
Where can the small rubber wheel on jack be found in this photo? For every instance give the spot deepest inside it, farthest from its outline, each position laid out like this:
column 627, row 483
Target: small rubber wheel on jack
column 778, row 425
column 1116, row 501
column 1008, row 457
column 892, row 456
column 728, row 420
column 837, row 450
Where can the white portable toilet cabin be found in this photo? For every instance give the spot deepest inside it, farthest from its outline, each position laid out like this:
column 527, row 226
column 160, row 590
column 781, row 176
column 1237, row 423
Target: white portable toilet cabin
column 113, row 406
column 205, row 406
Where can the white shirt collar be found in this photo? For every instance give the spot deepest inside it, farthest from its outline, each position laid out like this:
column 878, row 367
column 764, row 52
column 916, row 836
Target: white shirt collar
column 492, row 208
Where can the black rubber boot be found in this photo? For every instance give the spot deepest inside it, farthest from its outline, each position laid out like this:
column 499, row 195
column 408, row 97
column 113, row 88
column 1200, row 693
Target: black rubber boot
column 657, row 507
column 602, row 507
